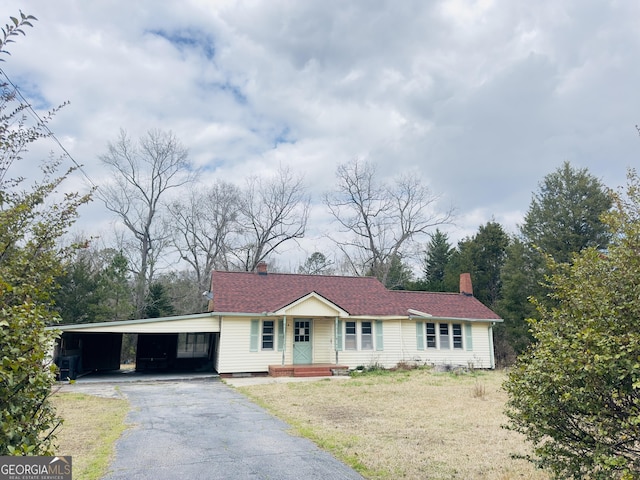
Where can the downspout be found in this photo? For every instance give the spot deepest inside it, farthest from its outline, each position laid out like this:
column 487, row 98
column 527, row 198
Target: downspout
column 492, row 360
column 284, row 339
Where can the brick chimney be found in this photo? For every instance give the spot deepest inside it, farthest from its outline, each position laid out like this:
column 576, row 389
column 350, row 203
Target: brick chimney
column 465, row 284
column 261, row 268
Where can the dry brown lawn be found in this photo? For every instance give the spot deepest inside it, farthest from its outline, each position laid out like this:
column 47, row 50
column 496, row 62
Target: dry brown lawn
column 407, row 424
column 91, row 427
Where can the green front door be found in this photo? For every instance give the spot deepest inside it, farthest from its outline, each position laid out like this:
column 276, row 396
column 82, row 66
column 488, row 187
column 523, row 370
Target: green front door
column 302, row 351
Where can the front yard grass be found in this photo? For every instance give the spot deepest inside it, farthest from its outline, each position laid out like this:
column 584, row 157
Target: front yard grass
column 90, row 429
column 413, row 424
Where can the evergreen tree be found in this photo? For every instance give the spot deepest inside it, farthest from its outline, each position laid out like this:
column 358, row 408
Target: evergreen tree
column 576, row 393
column 437, row 256
column 78, row 292
column 94, row 288
column 316, row 264
column 115, row 289
column 158, row 303
column 519, row 274
column 482, row 256
column 399, row 275
column 564, row 216
column 563, row 219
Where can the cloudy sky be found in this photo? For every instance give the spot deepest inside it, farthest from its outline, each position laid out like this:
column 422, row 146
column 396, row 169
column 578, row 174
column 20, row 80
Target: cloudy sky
column 481, row 98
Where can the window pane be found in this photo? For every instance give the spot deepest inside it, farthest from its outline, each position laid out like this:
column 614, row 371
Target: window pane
column 366, row 341
column 302, row 332
column 267, row 335
column 431, row 335
column 444, row 336
column 350, row 341
column 457, row 335
column 191, row 345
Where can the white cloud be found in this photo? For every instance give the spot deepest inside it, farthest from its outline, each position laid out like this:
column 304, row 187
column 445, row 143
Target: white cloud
column 483, row 97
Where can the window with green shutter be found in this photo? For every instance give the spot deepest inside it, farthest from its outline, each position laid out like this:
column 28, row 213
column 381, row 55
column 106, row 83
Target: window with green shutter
column 267, row 334
column 366, row 336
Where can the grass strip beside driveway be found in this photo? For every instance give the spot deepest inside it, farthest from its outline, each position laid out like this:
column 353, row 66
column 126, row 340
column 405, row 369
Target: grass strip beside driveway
column 89, row 432
column 406, row 424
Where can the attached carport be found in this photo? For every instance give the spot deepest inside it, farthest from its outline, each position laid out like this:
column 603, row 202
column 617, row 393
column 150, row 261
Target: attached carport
column 178, row 343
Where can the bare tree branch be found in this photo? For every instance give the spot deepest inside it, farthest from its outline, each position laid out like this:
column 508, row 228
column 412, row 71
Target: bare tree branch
column 204, row 227
column 143, row 174
column 382, row 220
column 272, row 212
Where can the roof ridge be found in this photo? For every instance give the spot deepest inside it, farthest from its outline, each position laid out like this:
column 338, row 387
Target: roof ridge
column 422, row 292
column 300, row 274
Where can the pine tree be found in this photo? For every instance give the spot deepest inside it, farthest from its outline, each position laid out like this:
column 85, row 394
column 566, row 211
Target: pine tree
column 576, row 393
column 437, row 256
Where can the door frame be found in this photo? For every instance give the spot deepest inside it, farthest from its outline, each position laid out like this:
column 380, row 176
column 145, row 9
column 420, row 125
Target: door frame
column 308, row 345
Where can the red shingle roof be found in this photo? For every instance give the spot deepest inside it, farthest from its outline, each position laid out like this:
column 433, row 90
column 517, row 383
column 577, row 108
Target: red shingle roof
column 248, row 292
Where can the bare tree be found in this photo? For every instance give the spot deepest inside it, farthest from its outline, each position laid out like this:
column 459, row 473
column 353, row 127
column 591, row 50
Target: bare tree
column 272, row 212
column 204, row 223
column 143, row 173
column 380, row 220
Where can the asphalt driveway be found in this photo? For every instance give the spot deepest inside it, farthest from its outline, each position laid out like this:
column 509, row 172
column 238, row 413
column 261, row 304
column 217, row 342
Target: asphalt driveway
column 204, row 429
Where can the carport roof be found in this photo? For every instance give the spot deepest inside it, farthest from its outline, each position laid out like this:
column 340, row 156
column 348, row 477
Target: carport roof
column 199, row 322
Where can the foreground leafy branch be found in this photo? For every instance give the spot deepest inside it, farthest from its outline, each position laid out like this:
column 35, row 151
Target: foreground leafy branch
column 32, row 220
column 576, row 393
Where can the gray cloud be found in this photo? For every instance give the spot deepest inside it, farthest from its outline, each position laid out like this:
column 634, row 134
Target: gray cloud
column 482, row 98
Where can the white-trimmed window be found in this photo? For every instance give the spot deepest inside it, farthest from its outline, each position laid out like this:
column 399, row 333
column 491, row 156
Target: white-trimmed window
column 443, row 336
column 430, row 330
column 350, row 336
column 362, row 335
column 266, row 335
column 268, row 330
column 457, row 335
column 366, row 336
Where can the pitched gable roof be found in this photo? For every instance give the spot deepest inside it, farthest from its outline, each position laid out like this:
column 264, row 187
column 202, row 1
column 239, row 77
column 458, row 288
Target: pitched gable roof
column 249, row 292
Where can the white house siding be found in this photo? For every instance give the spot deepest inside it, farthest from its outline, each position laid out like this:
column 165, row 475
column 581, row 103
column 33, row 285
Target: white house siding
column 400, row 345
column 235, row 354
column 388, row 357
column 479, row 357
column 322, row 338
column 311, row 307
